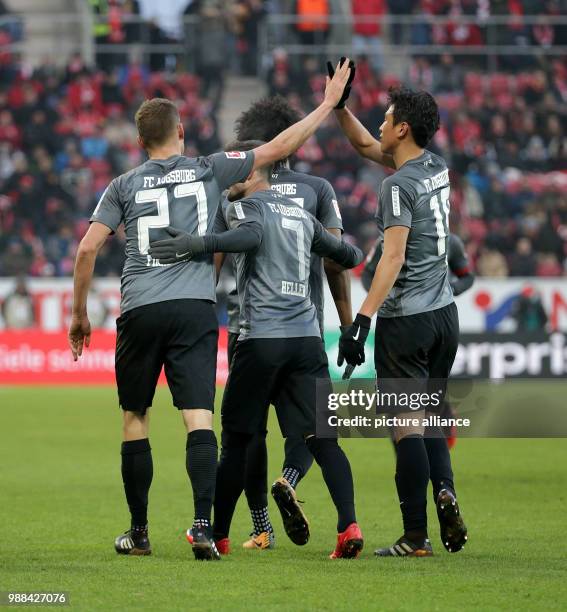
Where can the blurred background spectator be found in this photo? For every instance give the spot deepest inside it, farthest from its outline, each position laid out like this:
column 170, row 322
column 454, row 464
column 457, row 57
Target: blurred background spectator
column 66, row 132
column 17, row 307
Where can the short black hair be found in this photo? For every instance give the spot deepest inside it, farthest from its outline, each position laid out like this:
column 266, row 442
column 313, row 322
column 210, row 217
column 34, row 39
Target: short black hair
column 418, row 109
column 248, row 145
column 265, row 119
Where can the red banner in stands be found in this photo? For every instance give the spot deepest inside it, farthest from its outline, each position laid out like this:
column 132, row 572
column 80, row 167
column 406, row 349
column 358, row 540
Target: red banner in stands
column 35, row 357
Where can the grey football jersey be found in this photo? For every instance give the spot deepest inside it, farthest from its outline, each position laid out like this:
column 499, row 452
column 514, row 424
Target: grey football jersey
column 417, row 197
column 457, row 260
column 182, row 192
column 315, row 195
column 273, row 280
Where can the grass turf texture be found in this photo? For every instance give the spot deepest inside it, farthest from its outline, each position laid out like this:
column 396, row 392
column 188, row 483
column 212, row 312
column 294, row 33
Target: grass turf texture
column 63, row 504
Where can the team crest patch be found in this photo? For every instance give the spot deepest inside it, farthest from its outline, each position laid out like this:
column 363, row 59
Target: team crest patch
column 395, row 200
column 235, row 154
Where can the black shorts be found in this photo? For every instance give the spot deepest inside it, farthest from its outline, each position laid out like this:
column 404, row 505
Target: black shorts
column 179, row 335
column 421, row 346
column 278, row 371
column 231, row 346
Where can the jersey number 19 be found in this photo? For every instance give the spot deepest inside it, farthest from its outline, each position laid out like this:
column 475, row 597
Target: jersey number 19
column 441, row 218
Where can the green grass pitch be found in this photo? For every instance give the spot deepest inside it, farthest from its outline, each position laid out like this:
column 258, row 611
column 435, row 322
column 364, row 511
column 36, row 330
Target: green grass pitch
column 62, row 504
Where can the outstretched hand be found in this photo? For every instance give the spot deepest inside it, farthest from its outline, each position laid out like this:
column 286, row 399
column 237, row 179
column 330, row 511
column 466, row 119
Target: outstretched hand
column 338, row 82
column 348, row 86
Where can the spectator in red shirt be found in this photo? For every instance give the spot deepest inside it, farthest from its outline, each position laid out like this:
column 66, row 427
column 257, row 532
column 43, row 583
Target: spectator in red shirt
column 367, row 31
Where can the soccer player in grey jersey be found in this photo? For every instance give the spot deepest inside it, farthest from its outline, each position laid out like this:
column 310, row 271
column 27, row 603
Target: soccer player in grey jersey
column 167, row 316
column 279, row 355
column 264, row 120
column 461, row 279
column 417, row 324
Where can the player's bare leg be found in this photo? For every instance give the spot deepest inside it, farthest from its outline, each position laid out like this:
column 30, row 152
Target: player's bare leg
column 137, row 472
column 201, row 464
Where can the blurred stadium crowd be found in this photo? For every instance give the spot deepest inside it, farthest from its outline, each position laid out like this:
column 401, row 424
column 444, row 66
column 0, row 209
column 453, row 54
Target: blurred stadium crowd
column 64, row 134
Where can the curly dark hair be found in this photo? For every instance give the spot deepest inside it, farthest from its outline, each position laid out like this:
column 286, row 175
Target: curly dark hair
column 265, row 119
column 419, row 110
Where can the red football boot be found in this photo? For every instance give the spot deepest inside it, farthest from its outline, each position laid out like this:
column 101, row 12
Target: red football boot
column 223, row 546
column 349, row 543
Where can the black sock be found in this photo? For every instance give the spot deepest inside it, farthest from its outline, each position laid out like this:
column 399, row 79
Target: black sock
column 230, row 480
column 338, row 477
column 440, row 471
column 256, row 472
column 292, row 476
column 201, row 464
column 412, row 478
column 298, row 460
column 137, row 473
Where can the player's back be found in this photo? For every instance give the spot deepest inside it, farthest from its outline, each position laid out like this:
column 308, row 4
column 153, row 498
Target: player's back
column 181, row 192
column 417, row 196
column 273, row 280
column 315, row 195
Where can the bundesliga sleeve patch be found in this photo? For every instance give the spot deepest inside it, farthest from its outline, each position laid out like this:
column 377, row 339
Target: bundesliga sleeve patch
column 239, row 212
column 235, row 154
column 337, row 209
column 395, row 200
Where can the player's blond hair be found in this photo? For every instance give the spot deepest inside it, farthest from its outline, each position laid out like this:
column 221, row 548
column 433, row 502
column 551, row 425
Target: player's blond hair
column 156, row 120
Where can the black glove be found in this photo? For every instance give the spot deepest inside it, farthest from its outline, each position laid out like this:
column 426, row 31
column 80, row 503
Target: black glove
column 351, row 343
column 349, row 368
column 346, row 92
column 180, row 247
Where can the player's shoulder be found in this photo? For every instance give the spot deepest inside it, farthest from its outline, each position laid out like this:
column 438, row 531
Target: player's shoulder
column 225, row 204
column 123, row 181
column 433, row 158
column 134, row 172
column 399, row 179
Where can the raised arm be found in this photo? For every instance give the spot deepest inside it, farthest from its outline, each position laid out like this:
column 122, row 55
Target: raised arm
column 288, row 141
column 361, row 139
